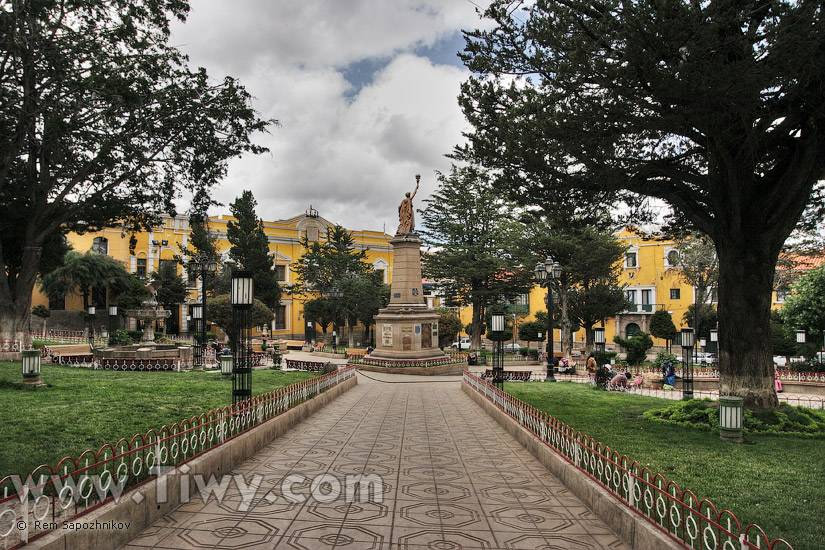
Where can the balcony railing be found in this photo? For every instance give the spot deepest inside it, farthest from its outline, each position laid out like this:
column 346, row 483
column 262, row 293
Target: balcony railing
column 644, row 308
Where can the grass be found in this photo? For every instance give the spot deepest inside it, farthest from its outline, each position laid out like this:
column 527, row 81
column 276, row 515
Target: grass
column 774, row 481
column 84, row 409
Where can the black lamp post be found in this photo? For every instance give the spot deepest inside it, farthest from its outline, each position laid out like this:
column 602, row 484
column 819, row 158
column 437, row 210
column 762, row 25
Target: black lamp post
column 196, row 312
column 242, row 298
column 547, row 274
column 113, row 318
column 497, row 328
column 335, row 293
column 92, row 327
column 201, row 266
column 598, row 339
column 688, row 340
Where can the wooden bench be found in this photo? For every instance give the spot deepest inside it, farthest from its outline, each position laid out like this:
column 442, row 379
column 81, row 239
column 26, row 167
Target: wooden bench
column 293, row 344
column 69, row 354
column 509, row 375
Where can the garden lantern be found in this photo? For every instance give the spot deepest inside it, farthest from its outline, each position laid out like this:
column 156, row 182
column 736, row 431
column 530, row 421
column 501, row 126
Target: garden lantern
column 800, row 336
column 226, row 365
column 730, row 418
column 31, row 366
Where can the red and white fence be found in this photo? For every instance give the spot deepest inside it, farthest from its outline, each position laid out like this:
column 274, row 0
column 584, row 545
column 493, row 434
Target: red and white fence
column 32, row 507
column 694, row 523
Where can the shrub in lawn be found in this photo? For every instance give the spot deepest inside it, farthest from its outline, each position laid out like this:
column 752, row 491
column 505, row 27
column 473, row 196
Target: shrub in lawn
column 703, row 414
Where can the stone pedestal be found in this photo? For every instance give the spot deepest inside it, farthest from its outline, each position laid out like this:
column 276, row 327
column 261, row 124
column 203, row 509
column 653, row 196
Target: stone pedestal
column 406, row 329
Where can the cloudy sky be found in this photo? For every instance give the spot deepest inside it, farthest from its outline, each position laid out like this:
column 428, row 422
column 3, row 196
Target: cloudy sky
column 365, row 91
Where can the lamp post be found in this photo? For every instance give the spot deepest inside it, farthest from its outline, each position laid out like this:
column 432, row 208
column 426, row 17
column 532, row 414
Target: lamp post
column 201, row 266
column 497, row 328
column 546, row 275
column 196, row 312
column 92, row 327
column 113, row 319
column 688, row 340
column 598, row 339
column 242, row 298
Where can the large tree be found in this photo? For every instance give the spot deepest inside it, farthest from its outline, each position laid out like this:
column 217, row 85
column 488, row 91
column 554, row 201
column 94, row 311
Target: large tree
column 102, row 123
column 716, row 108
column 470, row 230
column 250, row 248
column 86, row 274
column 588, row 289
column 337, row 281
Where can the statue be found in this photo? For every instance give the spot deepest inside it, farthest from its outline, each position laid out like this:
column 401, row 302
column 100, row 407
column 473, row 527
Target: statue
column 405, row 211
column 151, row 287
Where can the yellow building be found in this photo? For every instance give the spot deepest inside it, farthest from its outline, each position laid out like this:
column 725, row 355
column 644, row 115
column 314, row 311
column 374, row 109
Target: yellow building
column 651, row 284
column 162, row 244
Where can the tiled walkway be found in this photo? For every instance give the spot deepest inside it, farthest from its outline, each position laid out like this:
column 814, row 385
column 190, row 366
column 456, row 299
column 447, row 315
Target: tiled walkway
column 452, row 479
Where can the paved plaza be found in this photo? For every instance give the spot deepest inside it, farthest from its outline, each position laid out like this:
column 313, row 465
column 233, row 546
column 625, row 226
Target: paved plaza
column 451, row 478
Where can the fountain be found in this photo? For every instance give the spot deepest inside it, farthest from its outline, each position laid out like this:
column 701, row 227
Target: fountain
column 148, row 354
column 149, row 313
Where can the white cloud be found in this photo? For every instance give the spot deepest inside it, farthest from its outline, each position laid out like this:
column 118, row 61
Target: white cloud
column 350, row 153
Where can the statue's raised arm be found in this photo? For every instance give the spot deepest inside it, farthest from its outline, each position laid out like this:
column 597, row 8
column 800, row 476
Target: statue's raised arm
column 406, row 217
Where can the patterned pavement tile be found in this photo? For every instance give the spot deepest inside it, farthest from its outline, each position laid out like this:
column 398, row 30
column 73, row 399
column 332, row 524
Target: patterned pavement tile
column 451, row 479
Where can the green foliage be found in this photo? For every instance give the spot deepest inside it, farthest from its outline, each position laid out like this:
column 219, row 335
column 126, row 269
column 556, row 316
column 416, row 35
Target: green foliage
column 754, row 480
column 75, row 411
column 574, row 105
column 120, row 338
column 41, row 311
column 704, row 414
column 472, row 232
column 636, row 346
column 783, row 337
column 219, row 311
column 81, row 273
column 805, row 307
column 661, row 325
column 530, row 330
column 695, row 413
column 105, row 134
column 174, row 290
column 708, row 319
column 663, row 356
column 250, row 248
column 449, row 324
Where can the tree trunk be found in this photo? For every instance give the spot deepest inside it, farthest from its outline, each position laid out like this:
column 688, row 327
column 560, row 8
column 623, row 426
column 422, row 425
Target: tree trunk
column 16, row 297
column 746, row 369
column 478, row 320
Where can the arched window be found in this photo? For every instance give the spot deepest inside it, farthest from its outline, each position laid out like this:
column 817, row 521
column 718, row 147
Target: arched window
column 100, row 245
column 631, row 329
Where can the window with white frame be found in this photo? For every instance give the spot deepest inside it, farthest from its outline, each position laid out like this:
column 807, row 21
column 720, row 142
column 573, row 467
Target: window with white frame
column 631, row 258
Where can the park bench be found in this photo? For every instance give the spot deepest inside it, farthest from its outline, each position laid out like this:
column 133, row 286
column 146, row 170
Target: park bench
column 355, row 353
column 309, row 366
column 509, row 375
column 294, row 344
column 70, row 354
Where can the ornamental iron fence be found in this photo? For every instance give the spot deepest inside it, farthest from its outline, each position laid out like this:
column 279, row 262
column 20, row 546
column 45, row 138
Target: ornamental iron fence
column 49, row 496
column 693, row 523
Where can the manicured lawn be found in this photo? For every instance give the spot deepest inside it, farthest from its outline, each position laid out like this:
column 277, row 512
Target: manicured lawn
column 777, row 482
column 84, row 409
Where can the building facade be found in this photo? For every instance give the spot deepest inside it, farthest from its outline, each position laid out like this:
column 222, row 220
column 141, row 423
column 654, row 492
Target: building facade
column 164, row 243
